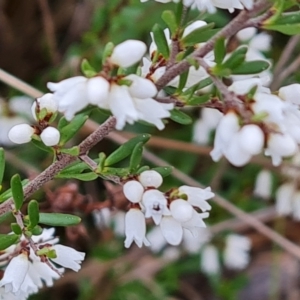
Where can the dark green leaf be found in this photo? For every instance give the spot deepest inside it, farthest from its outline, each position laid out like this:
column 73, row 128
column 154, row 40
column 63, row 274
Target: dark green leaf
column 42, row 146
column 288, row 29
column 126, row 149
column 251, row 67
column 57, row 219
column 196, row 100
column 101, row 162
column 164, row 171
column 74, row 151
column 108, row 50
column 8, row 194
column 16, row 228
column 160, row 41
column 136, row 157
column 33, row 213
column 182, row 81
column 120, row 172
column 37, row 230
column 83, row 177
column 220, row 50
column 180, row 117
column 200, row 35
column 7, row 240
column 17, row 191
column 236, row 58
column 170, row 19
column 5, row 216
column 142, row 169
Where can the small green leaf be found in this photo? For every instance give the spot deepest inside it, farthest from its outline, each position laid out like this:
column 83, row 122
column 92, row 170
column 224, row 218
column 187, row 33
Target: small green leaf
column 33, row 213
column 236, row 58
column 198, row 86
column 136, row 157
column 170, row 19
column 101, row 162
column 126, row 149
column 251, row 67
column 37, row 230
column 220, row 50
column 73, row 127
column 179, row 12
column 160, row 41
column 164, row 171
column 8, row 193
column 87, row 69
column 288, row 29
column 62, row 123
column 42, row 146
column 16, row 228
column 5, row 216
column 200, row 35
column 83, row 177
column 2, row 164
column 142, row 169
column 74, row 168
column 74, row 151
column 108, row 50
column 196, row 100
column 17, row 191
column 180, row 117
column 120, row 172
column 182, row 80
column 7, row 240
column 57, row 219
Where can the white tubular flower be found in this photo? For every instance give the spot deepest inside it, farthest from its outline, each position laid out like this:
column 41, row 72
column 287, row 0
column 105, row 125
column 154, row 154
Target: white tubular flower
column 236, row 254
column 155, row 205
column 156, row 239
column 50, row 136
column 118, row 220
column 135, row 228
column 284, row 196
column 290, row 93
column 128, row 53
column 197, row 196
column 246, row 34
column 21, row 134
column 133, row 191
column 242, row 87
column 210, row 263
column 227, row 126
column 263, row 185
column 181, row 210
column 193, row 245
column 46, row 236
column 74, row 94
column 201, row 132
column 195, row 223
column 15, row 273
column 171, row 230
column 280, row 145
column 141, row 87
column 122, row 106
column 153, row 112
column 68, row 257
column 151, row 178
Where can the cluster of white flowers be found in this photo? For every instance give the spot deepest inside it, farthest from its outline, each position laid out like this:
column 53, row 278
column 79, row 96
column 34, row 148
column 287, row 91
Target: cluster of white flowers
column 173, row 211
column 26, row 272
column 278, row 128
column 50, row 136
column 210, row 5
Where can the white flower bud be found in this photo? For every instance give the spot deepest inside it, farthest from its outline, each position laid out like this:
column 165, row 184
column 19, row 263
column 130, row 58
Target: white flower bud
column 128, row 53
column 171, row 230
column 97, row 90
column 210, row 260
column 133, row 191
column 284, row 196
column 47, row 101
column 150, row 178
column 141, row 87
column 50, row 136
column 246, row 34
column 263, row 184
column 251, row 139
column 21, row 134
column 290, row 93
column 181, row 210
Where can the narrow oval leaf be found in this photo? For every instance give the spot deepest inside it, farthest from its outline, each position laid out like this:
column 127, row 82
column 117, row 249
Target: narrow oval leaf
column 160, row 41
column 87, row 69
column 2, row 164
column 37, row 230
column 236, row 58
column 42, row 146
column 7, row 240
column 8, row 193
column 170, row 19
column 57, row 219
column 33, row 213
column 220, row 50
column 120, row 172
column 17, row 191
column 251, row 67
column 164, row 171
column 16, row 228
column 196, row 100
column 83, row 177
column 136, row 157
column 200, row 35
column 180, row 117
column 126, row 149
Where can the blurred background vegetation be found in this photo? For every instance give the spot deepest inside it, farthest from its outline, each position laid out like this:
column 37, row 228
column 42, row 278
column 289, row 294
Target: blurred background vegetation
column 43, row 41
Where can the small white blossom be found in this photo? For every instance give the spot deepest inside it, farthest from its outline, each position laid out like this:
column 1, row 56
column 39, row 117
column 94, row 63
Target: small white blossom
column 193, row 245
column 210, row 263
column 47, row 102
column 171, row 230
column 21, row 134
column 50, row 136
column 290, row 93
column 181, row 210
column 15, row 273
column 68, row 257
column 135, row 228
column 128, row 53
column 150, row 178
column 263, row 184
column 155, row 205
column 284, row 195
column 133, row 191
column 195, row 223
column 236, row 254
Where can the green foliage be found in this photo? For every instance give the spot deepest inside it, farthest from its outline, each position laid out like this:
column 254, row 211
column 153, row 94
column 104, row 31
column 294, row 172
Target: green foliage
column 2, row 165
column 17, row 191
column 58, row 219
column 200, row 35
column 136, row 157
column 33, row 213
column 7, row 240
column 180, row 117
column 170, row 19
column 161, row 41
column 220, row 50
column 87, row 69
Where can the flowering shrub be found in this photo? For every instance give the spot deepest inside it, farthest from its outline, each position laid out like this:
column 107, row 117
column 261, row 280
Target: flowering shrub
column 190, row 63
